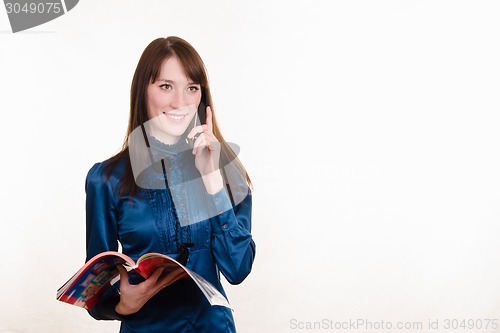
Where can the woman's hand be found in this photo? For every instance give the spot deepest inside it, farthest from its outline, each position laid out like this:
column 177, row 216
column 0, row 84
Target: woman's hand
column 206, row 149
column 134, row 296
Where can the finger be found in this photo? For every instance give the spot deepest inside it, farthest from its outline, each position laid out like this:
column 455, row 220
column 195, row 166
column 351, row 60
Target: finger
column 200, row 139
column 200, row 129
column 209, row 118
column 205, row 142
column 153, row 278
column 123, row 275
column 214, row 146
column 172, row 277
column 199, row 144
column 196, row 130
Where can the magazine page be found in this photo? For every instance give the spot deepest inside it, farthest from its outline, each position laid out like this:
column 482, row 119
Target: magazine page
column 149, row 262
column 85, row 287
column 97, row 275
column 213, row 295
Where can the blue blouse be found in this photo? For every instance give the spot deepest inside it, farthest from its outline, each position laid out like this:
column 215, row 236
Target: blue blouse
column 148, row 222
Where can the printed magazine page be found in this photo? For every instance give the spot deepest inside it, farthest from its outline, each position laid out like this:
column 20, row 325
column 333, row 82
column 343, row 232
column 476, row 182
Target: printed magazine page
column 99, row 273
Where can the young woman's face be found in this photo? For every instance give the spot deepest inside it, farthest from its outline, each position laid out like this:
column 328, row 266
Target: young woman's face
column 172, row 101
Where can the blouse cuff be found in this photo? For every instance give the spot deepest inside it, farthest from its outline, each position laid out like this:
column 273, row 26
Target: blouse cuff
column 106, row 310
column 222, row 223
column 222, row 201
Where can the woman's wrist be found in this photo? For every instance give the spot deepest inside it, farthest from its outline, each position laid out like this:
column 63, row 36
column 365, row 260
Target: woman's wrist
column 123, row 311
column 213, row 182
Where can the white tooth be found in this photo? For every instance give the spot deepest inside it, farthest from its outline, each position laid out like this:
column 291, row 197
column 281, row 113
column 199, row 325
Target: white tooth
column 176, row 117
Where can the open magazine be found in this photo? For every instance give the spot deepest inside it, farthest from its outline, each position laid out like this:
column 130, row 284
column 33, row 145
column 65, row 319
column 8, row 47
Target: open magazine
column 99, row 273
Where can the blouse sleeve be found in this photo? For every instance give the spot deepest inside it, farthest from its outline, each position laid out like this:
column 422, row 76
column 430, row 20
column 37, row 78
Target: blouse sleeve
column 232, row 243
column 101, row 234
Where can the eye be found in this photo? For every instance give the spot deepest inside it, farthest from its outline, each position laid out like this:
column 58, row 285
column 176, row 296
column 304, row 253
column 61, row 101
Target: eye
column 166, row 86
column 193, row 88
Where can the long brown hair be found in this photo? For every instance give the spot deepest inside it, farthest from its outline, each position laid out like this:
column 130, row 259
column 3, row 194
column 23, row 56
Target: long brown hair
column 146, row 72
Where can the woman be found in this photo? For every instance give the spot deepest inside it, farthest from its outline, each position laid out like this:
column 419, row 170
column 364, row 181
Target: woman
column 181, row 203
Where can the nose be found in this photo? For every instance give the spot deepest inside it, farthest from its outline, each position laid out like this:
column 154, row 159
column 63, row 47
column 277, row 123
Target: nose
column 178, row 100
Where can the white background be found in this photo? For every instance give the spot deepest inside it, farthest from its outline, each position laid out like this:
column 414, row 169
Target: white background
column 369, row 128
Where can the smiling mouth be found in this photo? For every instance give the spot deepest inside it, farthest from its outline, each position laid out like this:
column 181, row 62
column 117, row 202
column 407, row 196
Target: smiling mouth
column 175, row 117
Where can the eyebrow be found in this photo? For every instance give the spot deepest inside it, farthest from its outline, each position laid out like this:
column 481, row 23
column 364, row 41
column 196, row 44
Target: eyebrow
column 170, row 81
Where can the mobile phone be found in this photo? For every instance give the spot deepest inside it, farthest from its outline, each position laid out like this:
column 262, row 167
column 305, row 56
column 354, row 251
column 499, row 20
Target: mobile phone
column 199, row 119
column 202, row 110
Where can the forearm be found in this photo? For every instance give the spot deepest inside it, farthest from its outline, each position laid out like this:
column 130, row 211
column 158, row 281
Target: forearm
column 213, row 182
column 232, row 244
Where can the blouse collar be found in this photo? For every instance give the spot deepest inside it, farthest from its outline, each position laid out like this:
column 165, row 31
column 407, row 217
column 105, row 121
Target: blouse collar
column 173, row 152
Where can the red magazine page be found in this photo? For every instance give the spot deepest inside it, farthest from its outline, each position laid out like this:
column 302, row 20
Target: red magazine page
column 97, row 275
column 149, row 262
column 93, row 279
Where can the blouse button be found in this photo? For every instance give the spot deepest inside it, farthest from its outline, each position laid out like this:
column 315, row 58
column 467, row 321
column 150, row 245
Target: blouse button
column 224, row 226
